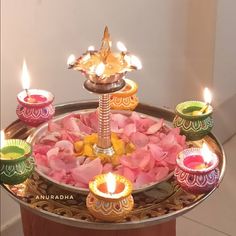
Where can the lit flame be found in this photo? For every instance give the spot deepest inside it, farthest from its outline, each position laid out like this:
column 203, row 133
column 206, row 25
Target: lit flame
column 206, row 153
column 207, row 96
column 86, row 57
column 136, row 62
column 111, row 183
column 91, row 48
column 2, row 138
column 121, row 46
column 100, row 69
column 25, row 78
column 71, row 60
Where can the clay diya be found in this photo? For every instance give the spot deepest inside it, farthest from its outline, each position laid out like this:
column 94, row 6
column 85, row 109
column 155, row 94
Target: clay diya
column 16, row 161
column 110, row 197
column 34, row 105
column 35, row 108
column 126, row 98
column 197, row 170
column 194, row 118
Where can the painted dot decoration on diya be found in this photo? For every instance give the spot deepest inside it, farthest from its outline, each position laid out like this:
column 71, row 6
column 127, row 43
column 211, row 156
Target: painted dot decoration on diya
column 110, row 197
column 16, row 161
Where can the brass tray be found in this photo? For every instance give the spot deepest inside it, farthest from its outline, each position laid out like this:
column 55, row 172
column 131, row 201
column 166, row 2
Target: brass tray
column 164, row 202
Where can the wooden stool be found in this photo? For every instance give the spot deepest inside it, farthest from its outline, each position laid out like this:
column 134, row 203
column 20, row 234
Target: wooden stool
column 34, row 225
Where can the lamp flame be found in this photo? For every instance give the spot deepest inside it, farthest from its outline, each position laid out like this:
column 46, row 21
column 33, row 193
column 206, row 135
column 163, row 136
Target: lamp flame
column 207, row 96
column 100, row 69
column 71, row 60
column 121, row 46
column 136, row 62
column 111, row 183
column 25, row 78
column 91, row 48
column 206, row 153
column 2, row 138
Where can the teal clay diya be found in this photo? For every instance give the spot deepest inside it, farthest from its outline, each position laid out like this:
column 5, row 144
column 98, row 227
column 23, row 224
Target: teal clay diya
column 194, row 118
column 16, row 161
column 194, row 123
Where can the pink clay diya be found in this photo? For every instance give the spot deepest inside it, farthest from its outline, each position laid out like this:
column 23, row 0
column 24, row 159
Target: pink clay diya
column 35, row 107
column 194, row 173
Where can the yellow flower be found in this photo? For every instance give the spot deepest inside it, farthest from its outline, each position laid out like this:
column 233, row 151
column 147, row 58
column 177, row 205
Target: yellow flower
column 129, row 148
column 88, row 150
column 118, row 145
column 92, row 139
column 121, row 148
column 79, row 146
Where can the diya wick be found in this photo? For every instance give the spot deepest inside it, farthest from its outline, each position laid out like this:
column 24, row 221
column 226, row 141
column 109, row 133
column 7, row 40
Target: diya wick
column 34, row 105
column 197, row 170
column 71, row 61
column 122, row 48
column 207, row 98
column 110, row 197
column 16, row 162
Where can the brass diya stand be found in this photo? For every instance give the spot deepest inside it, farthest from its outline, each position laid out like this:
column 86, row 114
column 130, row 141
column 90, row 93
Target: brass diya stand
column 105, row 71
column 104, row 145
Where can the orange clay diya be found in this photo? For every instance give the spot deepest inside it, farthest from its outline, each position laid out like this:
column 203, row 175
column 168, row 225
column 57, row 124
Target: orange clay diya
column 110, row 197
column 126, row 98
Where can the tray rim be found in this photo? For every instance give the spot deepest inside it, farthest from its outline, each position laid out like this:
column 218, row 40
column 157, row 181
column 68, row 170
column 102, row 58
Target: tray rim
column 125, row 225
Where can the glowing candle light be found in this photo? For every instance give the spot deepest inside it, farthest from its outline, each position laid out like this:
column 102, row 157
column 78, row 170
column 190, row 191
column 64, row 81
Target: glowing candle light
column 71, row 60
column 91, row 48
column 110, row 197
column 2, row 138
column 202, row 160
column 121, row 47
column 206, row 154
column 25, row 78
column 100, row 69
column 207, row 98
column 111, row 183
column 135, row 62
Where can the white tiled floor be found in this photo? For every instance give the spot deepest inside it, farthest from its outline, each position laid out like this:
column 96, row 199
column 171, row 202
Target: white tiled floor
column 214, row 217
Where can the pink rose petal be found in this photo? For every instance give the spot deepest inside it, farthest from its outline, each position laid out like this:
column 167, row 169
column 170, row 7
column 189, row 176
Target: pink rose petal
column 86, row 172
column 138, row 160
column 65, row 146
column 119, row 119
column 108, row 167
column 129, row 129
column 143, row 179
column 139, row 139
column 156, row 152
column 155, row 127
column 159, row 173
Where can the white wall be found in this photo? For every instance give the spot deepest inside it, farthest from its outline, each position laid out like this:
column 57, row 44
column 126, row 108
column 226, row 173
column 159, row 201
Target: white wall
column 225, row 52
column 174, row 39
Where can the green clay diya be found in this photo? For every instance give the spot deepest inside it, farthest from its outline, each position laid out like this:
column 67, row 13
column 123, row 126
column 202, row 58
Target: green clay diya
column 194, row 118
column 16, row 161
